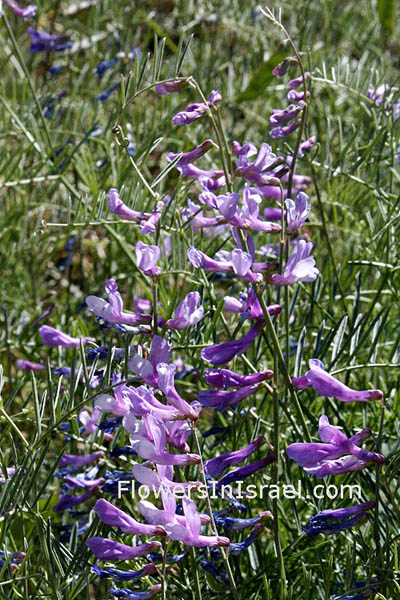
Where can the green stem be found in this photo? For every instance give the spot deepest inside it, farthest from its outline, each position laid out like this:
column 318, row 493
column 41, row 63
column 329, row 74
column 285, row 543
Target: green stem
column 197, row 588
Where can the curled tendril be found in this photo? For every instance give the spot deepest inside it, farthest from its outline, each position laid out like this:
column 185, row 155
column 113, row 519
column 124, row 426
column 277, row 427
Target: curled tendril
column 119, row 136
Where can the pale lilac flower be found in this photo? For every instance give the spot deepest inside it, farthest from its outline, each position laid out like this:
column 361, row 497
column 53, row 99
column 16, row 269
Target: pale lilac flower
column 113, row 516
column 189, row 312
column 10, row 471
column 248, row 305
column 297, row 212
column 147, row 369
column 300, row 266
column 112, row 311
column 25, row 13
column 195, row 217
column 336, row 455
column 379, row 94
column 200, row 260
column 52, row 337
column 105, row 549
column 214, row 97
column 221, row 354
column 189, row 534
column 294, row 96
column 27, row 365
column 261, row 171
column 298, row 81
column 162, row 478
column 281, row 116
column 168, row 515
column 148, row 224
column 146, row 258
column 328, row 386
column 281, row 68
column 169, row 87
column 165, row 381
column 143, row 402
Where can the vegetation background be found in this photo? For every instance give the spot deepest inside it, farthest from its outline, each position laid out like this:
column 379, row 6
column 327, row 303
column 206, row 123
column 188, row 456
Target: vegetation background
column 58, row 158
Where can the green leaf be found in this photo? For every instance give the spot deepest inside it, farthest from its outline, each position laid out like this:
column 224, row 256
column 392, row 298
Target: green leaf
column 261, row 78
column 386, row 12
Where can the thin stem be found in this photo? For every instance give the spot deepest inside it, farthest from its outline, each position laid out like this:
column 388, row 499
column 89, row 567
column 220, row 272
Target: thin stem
column 210, row 512
column 197, row 588
column 163, row 572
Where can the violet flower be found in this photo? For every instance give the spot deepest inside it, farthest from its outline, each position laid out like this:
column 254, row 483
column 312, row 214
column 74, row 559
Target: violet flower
column 195, row 217
column 27, row 365
column 162, row 478
column 298, row 81
column 106, row 549
column 236, row 548
column 192, row 155
column 283, row 131
column 44, row 42
column 116, row 206
column 131, row 595
column 112, row 311
column 79, row 461
column 120, row 575
column 190, row 115
column 281, row 68
column 52, row 337
column 336, row 455
column 243, row 472
column 149, row 222
column 234, row 524
column 326, row 385
column 221, row 400
column 214, row 467
column 297, row 212
column 281, row 116
column 68, row 500
column 248, row 305
column 306, row 146
column 169, row 87
column 188, row 312
column 261, row 171
column 25, row 13
column 333, row 521
column 300, row 266
column 165, row 380
column 113, row 516
column 221, row 354
column 224, row 378
column 146, row 259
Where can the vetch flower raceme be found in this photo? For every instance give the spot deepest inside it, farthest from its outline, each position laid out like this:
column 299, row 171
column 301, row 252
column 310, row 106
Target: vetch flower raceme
column 328, row 386
column 336, row 455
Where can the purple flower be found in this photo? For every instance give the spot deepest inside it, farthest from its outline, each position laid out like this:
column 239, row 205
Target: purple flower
column 221, row 400
column 169, row 87
column 192, row 155
column 223, row 378
column 25, row 13
column 116, row 206
column 300, row 266
column 124, row 575
column 294, row 96
column 146, row 259
column 281, row 116
column 306, row 146
column 52, row 337
column 214, row 97
column 280, row 70
column 236, row 548
column 248, row 305
column 336, row 455
column 112, row 311
column 194, row 215
column 243, row 472
column 379, row 94
column 214, row 467
column 79, row 461
column 261, row 171
column 110, row 515
column 42, row 41
column 165, row 380
column 147, row 369
column 68, row 501
column 190, row 115
column 27, row 365
column 326, row 385
column 297, row 212
column 298, row 81
column 104, row 65
column 202, row 261
column 188, row 313
column 189, row 534
column 221, row 354
column 107, row 93
column 234, row 524
column 130, row 595
column 149, row 222
column 248, row 216
column 283, row 131
column 105, row 549
column 333, row 521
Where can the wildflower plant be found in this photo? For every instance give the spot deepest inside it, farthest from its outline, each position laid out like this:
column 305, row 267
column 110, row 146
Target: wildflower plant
column 162, row 417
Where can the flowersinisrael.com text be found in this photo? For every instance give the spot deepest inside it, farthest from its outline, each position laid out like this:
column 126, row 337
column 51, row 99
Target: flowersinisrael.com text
column 241, row 491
